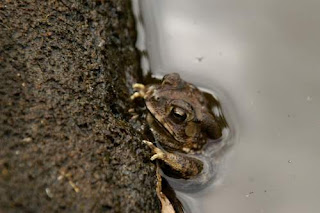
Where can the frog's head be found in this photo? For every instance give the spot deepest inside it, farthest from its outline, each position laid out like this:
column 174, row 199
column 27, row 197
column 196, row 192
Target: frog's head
column 183, row 111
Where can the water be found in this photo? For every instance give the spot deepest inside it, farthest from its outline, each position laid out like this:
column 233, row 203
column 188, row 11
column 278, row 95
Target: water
column 261, row 58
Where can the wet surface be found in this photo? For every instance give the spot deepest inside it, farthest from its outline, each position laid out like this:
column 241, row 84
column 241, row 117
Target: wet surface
column 261, row 58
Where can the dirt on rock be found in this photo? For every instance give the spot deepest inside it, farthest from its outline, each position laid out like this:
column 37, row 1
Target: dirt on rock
column 65, row 141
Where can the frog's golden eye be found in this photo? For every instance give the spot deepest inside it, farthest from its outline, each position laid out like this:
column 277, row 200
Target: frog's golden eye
column 178, row 114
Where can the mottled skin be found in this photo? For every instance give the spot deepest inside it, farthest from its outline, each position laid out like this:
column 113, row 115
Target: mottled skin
column 181, row 122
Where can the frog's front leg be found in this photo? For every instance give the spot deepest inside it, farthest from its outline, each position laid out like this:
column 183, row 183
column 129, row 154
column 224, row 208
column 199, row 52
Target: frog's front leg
column 185, row 166
column 140, row 91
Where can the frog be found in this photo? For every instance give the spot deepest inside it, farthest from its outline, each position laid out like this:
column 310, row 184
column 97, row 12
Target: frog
column 181, row 121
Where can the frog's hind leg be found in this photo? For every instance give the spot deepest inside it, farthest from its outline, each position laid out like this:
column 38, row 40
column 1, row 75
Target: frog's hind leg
column 185, row 166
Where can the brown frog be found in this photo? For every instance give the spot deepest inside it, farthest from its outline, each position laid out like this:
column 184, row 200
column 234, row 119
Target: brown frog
column 181, row 121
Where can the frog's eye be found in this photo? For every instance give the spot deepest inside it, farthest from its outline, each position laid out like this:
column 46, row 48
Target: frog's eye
column 179, row 115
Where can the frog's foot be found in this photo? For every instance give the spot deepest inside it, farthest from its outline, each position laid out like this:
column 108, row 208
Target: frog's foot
column 186, row 166
column 158, row 153
column 140, row 88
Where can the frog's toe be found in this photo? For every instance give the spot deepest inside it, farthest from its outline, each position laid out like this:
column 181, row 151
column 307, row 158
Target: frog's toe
column 138, row 86
column 136, row 95
column 150, row 144
column 158, row 155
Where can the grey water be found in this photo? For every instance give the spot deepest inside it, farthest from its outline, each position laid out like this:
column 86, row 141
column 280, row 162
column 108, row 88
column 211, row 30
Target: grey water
column 262, row 60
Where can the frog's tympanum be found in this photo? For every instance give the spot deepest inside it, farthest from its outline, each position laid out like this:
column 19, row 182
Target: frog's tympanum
column 181, row 121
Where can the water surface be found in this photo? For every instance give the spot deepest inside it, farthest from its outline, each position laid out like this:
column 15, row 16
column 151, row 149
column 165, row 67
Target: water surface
column 262, row 58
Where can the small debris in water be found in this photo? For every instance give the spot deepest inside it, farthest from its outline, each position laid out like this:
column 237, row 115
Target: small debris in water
column 199, row 58
column 250, row 193
column 289, row 161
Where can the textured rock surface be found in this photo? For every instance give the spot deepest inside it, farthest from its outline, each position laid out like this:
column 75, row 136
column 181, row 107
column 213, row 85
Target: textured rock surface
column 66, row 143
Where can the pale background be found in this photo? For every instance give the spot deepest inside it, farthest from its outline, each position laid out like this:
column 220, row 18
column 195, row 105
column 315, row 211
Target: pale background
column 263, row 57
